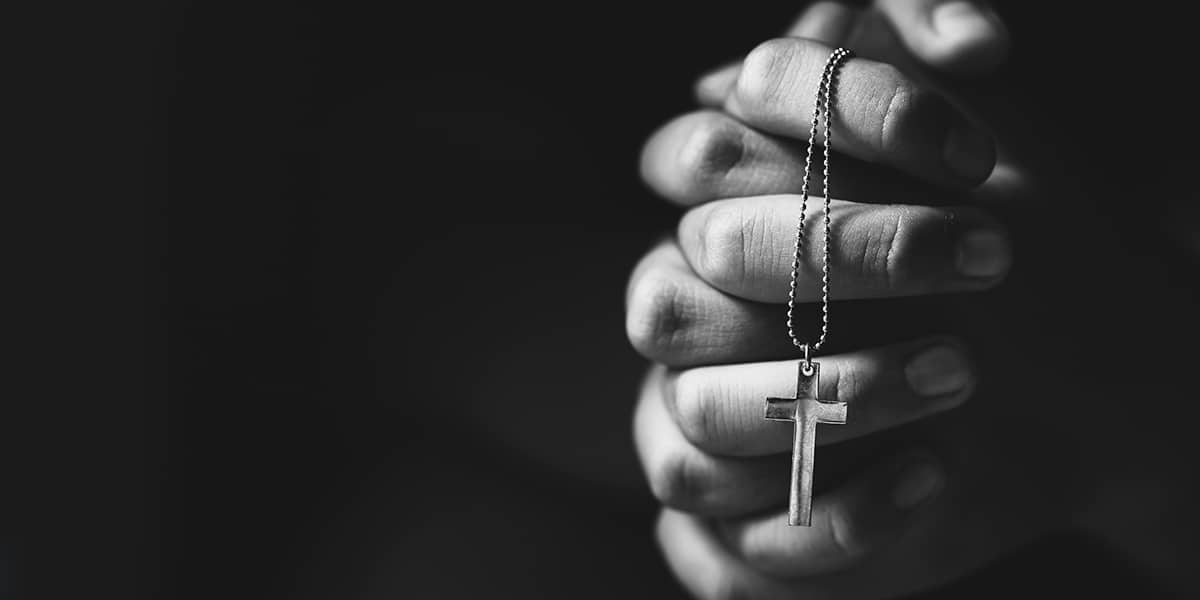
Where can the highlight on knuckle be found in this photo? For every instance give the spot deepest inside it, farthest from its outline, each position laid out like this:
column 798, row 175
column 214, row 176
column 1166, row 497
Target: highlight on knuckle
column 658, row 315
column 901, row 115
column 847, row 384
column 880, row 248
column 722, row 247
column 695, row 409
column 713, row 148
column 676, row 481
column 767, row 71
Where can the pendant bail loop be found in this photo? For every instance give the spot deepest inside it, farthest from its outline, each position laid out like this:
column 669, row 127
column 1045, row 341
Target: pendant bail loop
column 808, row 363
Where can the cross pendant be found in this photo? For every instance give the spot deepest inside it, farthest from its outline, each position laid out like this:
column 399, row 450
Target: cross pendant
column 805, row 411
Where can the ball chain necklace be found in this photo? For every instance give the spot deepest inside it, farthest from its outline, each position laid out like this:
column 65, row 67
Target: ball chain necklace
column 806, row 410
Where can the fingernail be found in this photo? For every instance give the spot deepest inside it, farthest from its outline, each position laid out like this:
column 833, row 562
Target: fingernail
column 937, row 371
column 983, row 253
column 960, row 21
column 970, row 152
column 917, row 483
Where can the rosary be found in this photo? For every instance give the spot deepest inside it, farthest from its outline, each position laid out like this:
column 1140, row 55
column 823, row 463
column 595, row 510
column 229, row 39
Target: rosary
column 805, row 410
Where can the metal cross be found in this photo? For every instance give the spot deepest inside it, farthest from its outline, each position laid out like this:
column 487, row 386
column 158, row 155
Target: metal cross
column 805, row 411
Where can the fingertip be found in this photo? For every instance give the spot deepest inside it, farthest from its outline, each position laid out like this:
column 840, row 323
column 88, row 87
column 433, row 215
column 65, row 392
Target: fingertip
column 691, row 229
column 984, row 254
column 652, row 163
column 1008, row 184
column 920, row 480
column 970, row 153
column 695, row 557
column 850, row 523
column 825, row 21
column 966, row 38
column 695, row 157
column 657, row 315
column 941, row 370
column 712, row 88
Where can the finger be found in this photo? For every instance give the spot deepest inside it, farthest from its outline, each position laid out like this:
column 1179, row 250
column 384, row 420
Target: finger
column 700, row 561
column 685, row 478
column 935, row 542
column 880, row 115
column 745, row 247
column 673, row 317
column 959, row 36
column 849, row 523
column 708, row 155
column 713, row 87
column 719, row 409
column 826, row 22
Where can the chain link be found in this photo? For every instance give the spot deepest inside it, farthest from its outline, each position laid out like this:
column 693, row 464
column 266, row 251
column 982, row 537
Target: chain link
column 821, row 107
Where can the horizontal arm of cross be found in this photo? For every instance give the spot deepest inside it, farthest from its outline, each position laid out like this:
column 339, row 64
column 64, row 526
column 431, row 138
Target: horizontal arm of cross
column 826, row 412
column 782, row 409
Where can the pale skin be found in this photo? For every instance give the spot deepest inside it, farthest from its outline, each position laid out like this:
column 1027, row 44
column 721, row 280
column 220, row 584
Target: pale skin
column 986, row 463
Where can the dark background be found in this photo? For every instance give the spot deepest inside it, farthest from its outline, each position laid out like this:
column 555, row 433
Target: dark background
column 386, row 248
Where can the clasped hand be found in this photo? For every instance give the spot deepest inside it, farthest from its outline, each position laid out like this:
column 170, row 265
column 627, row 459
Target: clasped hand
column 912, row 492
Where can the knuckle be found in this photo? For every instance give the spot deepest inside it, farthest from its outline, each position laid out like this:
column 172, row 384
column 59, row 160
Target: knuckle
column 900, row 113
column 675, row 480
column 893, row 113
column 658, row 315
column 848, row 384
column 713, row 147
column 880, row 248
column 767, row 71
column 903, row 250
column 695, row 409
column 722, row 247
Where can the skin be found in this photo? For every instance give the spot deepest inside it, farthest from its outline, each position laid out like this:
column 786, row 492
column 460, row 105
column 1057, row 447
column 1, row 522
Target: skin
column 927, row 482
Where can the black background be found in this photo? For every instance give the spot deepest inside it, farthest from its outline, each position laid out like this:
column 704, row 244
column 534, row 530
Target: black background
column 386, row 248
